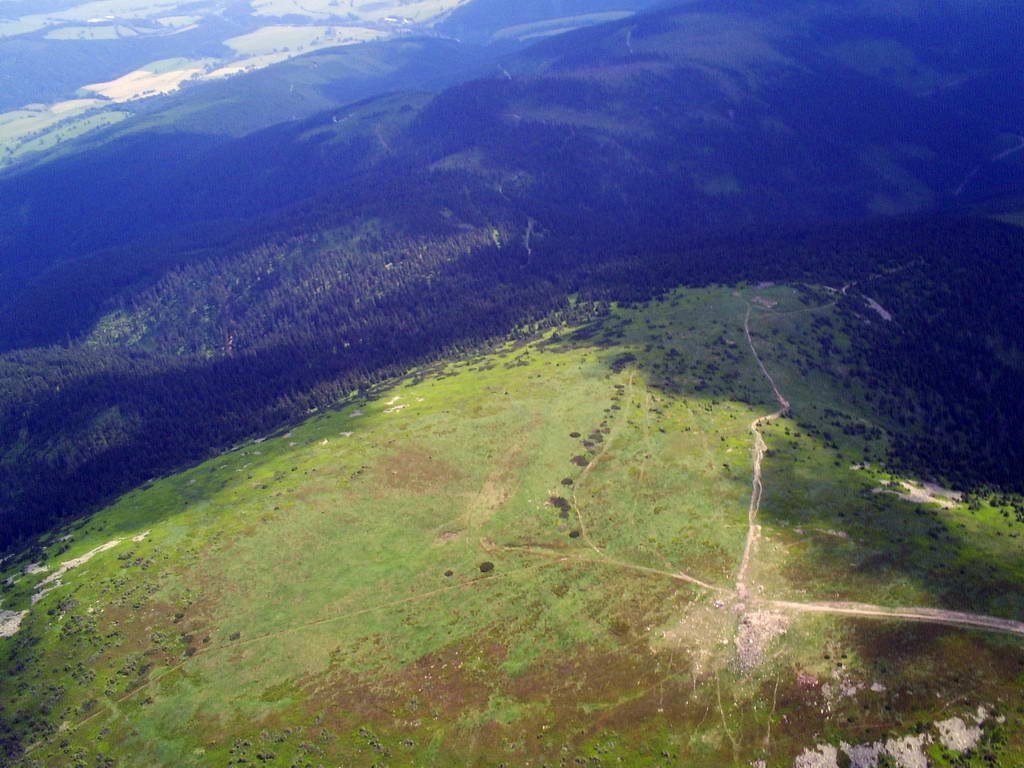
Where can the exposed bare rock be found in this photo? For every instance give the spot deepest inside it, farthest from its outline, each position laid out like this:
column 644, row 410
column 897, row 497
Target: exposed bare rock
column 53, row 581
column 908, row 751
column 823, row 756
column 957, row 735
column 757, row 630
column 10, row 622
column 863, row 755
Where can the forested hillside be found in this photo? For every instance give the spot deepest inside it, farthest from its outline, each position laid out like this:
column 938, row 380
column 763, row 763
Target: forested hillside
column 305, row 335
column 207, row 288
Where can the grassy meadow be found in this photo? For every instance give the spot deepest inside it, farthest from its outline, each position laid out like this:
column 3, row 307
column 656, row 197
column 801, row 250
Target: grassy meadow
column 486, row 563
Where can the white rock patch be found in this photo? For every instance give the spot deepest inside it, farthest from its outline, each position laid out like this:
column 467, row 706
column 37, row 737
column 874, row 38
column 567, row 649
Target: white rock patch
column 52, row 581
column 908, row 752
column 957, row 735
column 10, row 622
column 823, row 756
column 863, row 755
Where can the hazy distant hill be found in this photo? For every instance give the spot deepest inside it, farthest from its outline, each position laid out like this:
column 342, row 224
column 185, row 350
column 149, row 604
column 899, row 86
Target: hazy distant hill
column 70, row 68
column 700, row 118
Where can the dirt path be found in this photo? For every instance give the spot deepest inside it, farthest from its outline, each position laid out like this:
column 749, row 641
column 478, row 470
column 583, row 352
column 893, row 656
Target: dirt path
column 563, row 555
column 498, row 485
column 757, row 491
column 923, row 615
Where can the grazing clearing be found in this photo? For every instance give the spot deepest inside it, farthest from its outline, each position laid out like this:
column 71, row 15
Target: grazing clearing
column 91, row 32
column 38, row 127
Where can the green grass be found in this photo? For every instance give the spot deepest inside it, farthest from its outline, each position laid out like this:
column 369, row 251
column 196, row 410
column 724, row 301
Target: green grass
column 318, row 596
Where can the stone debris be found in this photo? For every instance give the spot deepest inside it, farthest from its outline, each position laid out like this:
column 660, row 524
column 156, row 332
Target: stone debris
column 823, row 756
column 863, row 755
column 757, row 630
column 841, row 687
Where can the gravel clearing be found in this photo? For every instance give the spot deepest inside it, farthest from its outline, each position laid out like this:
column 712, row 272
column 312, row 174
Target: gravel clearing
column 757, row 630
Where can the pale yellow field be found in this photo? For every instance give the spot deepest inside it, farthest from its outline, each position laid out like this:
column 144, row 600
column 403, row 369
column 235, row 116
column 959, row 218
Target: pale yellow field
column 36, row 117
column 419, row 11
column 145, row 82
column 296, row 39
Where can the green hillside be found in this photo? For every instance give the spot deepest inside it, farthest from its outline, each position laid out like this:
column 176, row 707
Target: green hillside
column 535, row 555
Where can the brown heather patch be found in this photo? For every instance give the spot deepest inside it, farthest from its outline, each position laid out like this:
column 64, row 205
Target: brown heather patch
column 136, row 627
column 586, row 676
column 433, row 691
column 412, row 469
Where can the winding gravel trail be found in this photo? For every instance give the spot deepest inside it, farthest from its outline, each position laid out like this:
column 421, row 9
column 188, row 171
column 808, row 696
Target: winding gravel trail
column 753, row 529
